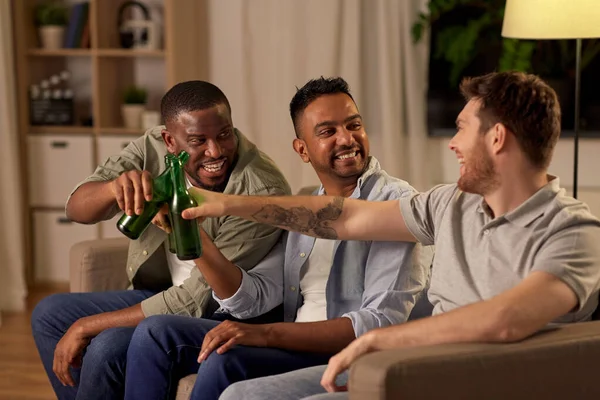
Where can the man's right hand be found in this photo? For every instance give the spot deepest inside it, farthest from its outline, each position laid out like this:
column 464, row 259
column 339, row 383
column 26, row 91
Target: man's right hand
column 210, row 204
column 69, row 352
column 131, row 190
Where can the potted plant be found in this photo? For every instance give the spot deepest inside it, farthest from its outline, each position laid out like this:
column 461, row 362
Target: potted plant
column 468, row 39
column 51, row 19
column 134, row 104
column 460, row 43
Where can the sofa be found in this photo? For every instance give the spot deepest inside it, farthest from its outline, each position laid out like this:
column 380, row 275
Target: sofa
column 554, row 364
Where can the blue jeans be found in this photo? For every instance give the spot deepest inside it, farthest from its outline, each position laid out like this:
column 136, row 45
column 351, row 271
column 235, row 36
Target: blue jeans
column 102, row 375
column 301, row 384
column 164, row 349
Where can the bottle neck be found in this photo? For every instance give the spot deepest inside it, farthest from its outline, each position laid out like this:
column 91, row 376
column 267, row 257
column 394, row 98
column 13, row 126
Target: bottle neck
column 178, row 178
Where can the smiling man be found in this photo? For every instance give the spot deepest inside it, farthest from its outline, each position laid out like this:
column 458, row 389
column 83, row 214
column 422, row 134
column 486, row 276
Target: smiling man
column 83, row 337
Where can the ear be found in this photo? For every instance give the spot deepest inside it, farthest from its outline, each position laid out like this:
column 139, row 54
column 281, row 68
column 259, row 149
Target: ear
column 499, row 138
column 300, row 148
column 169, row 141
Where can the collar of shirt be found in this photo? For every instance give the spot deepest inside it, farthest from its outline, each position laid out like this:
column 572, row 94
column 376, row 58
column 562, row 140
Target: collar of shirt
column 532, row 208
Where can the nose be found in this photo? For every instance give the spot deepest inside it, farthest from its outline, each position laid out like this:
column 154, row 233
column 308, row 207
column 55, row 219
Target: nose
column 213, row 149
column 345, row 138
column 452, row 143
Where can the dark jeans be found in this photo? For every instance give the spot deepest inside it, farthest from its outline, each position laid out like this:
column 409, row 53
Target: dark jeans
column 165, row 348
column 103, row 370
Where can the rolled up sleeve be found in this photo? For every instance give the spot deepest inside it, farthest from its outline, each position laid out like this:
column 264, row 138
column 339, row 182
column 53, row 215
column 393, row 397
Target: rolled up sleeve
column 261, row 289
column 395, row 275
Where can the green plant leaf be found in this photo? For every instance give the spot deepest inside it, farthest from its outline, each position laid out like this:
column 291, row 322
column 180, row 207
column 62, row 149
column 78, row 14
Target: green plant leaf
column 135, row 95
column 51, row 13
column 516, row 55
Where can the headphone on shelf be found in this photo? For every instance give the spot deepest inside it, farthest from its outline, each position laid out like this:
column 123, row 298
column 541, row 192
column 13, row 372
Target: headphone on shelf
column 127, row 36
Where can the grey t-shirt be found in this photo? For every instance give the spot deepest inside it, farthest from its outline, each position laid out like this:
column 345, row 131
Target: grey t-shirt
column 478, row 257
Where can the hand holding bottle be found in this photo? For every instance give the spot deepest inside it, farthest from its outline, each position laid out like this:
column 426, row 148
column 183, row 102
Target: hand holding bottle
column 210, row 204
column 161, row 219
column 131, row 190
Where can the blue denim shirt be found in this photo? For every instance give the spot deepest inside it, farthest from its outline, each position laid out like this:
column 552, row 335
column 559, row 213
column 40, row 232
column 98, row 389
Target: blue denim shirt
column 375, row 284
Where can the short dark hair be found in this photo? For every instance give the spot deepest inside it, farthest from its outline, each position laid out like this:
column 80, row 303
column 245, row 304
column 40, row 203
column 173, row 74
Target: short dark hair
column 191, row 96
column 311, row 91
column 525, row 104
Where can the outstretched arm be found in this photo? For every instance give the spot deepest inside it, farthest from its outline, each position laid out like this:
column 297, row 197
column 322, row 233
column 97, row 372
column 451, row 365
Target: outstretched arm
column 319, row 216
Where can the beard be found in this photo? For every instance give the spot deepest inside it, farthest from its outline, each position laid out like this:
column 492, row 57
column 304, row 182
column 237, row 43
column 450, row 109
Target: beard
column 480, row 175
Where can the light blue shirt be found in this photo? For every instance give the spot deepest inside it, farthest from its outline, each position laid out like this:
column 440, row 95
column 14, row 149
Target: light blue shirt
column 375, row 284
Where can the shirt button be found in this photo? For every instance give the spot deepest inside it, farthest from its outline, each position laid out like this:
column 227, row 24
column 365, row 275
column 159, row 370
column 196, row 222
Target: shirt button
column 302, row 254
column 145, row 252
column 293, row 288
column 130, row 269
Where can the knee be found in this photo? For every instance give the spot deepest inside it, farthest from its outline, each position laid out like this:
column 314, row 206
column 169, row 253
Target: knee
column 109, row 347
column 229, row 362
column 151, row 332
column 44, row 314
column 235, row 391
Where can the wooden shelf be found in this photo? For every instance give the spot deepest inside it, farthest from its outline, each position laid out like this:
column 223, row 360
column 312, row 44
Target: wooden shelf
column 100, row 74
column 129, row 53
column 60, row 129
column 120, row 131
column 59, row 53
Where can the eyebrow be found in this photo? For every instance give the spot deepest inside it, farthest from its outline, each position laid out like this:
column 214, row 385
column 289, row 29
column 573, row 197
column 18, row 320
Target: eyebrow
column 196, row 134
column 331, row 123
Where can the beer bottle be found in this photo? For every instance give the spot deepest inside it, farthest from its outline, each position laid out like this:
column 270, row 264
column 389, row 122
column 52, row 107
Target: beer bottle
column 162, row 190
column 185, row 232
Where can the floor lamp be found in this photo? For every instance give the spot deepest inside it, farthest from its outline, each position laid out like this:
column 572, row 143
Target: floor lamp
column 556, row 19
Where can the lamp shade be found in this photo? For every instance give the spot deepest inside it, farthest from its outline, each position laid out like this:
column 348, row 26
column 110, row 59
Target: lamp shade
column 551, row 19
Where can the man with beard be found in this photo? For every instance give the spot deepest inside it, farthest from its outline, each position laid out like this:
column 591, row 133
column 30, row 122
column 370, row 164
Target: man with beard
column 83, row 337
column 332, row 291
column 513, row 254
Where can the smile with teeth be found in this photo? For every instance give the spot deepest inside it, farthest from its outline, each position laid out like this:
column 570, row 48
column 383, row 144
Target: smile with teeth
column 461, row 161
column 347, row 155
column 214, row 166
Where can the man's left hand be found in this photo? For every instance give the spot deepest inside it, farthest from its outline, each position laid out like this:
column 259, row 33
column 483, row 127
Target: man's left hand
column 228, row 334
column 342, row 361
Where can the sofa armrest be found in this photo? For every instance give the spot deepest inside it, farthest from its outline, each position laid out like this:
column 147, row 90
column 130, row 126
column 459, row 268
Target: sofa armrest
column 99, row 265
column 553, row 364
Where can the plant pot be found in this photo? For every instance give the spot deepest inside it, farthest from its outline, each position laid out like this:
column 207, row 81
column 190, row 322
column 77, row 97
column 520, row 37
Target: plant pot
column 52, row 37
column 132, row 115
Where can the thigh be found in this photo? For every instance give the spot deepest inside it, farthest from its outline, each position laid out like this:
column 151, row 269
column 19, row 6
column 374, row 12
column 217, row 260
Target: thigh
column 179, row 338
column 292, row 385
column 244, row 362
column 61, row 310
column 172, row 331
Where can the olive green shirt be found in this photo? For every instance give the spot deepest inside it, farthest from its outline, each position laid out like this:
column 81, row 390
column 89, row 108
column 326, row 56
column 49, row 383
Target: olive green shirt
column 243, row 242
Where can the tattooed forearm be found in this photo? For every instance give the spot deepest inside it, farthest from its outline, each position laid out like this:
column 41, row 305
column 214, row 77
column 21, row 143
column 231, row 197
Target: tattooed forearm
column 302, row 219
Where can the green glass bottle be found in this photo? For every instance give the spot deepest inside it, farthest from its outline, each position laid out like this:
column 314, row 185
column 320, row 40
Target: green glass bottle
column 162, row 190
column 186, row 232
